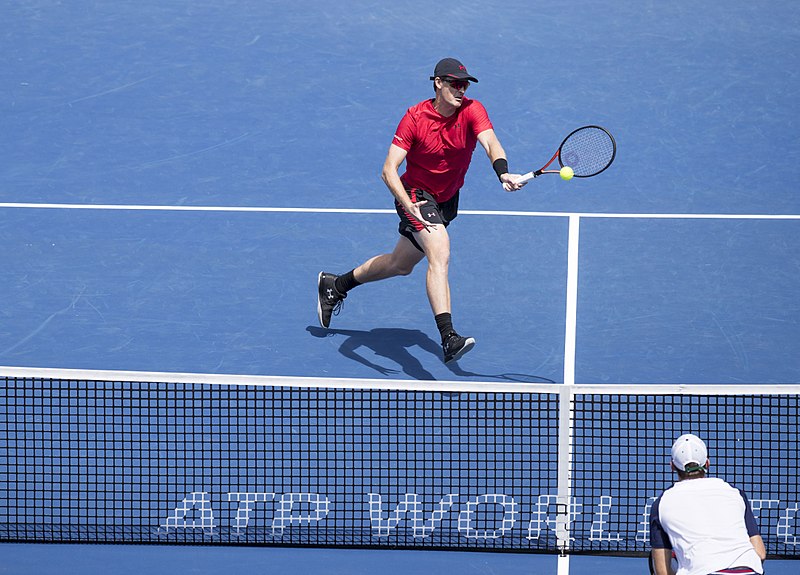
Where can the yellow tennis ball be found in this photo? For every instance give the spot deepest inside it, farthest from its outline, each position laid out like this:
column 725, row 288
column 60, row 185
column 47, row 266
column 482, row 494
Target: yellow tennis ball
column 566, row 173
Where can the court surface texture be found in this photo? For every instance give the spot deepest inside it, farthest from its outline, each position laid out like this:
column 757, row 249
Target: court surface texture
column 173, row 177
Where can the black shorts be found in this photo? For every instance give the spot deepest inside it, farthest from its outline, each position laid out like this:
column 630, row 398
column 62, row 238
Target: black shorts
column 433, row 212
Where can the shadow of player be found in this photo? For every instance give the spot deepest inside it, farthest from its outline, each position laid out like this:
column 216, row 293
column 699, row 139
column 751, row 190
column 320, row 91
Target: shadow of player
column 395, row 344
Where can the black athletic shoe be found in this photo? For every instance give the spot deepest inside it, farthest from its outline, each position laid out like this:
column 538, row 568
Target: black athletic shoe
column 329, row 301
column 454, row 346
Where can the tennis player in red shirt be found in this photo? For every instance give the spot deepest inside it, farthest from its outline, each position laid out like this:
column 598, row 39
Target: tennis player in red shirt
column 436, row 139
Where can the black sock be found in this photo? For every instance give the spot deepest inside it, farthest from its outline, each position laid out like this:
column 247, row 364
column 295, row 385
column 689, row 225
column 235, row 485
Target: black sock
column 444, row 321
column 344, row 283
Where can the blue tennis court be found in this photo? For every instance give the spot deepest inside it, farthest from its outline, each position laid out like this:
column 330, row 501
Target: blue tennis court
column 174, row 176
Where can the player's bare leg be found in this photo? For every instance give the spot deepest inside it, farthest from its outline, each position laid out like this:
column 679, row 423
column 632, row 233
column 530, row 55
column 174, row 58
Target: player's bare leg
column 436, row 243
column 400, row 262
column 331, row 295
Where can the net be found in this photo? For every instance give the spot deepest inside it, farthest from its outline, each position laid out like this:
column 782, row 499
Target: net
column 174, row 462
column 620, row 460
column 158, row 458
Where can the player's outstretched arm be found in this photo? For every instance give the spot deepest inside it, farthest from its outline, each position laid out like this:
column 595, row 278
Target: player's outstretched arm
column 488, row 139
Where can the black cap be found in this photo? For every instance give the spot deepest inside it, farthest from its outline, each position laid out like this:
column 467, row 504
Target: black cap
column 452, row 68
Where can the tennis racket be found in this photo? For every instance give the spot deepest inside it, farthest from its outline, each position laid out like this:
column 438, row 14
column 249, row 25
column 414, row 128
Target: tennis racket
column 588, row 151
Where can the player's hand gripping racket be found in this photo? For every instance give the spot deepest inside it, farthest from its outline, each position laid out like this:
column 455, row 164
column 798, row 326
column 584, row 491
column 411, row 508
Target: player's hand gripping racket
column 588, row 151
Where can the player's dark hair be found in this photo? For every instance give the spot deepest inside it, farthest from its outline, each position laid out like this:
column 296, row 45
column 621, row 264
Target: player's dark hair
column 692, row 470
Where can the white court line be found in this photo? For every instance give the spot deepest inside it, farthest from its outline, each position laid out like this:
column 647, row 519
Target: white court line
column 166, row 208
column 565, row 415
column 143, row 208
column 225, row 379
column 572, row 300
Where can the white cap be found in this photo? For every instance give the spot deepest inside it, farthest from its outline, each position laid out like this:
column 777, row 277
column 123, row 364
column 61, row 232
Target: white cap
column 688, row 449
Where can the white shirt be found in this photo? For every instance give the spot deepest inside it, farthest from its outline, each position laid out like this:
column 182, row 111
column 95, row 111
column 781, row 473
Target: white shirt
column 709, row 524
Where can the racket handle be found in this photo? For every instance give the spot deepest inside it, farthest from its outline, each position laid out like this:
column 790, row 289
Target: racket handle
column 524, row 178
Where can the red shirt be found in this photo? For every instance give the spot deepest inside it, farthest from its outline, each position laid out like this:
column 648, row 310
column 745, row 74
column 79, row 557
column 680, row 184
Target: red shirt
column 440, row 149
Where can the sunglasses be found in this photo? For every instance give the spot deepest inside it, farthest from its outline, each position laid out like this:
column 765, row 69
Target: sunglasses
column 457, row 84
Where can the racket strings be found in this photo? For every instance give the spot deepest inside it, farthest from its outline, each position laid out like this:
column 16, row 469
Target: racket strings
column 588, row 151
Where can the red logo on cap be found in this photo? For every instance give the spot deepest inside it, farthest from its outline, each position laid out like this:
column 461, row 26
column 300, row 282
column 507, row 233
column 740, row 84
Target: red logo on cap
column 462, row 68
